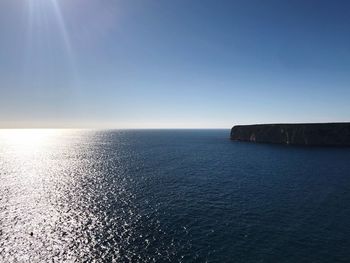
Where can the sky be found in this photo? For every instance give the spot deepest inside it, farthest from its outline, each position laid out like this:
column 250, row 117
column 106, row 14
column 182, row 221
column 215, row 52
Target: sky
column 173, row 64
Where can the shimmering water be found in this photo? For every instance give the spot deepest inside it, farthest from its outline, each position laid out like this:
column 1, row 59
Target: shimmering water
column 171, row 195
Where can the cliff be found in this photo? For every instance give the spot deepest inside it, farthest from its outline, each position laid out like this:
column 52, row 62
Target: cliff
column 313, row 134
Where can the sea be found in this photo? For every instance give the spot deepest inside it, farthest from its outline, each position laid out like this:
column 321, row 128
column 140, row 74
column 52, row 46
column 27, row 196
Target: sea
column 170, row 196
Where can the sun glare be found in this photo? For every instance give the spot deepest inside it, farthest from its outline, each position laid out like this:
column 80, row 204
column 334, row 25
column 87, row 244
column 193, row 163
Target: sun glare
column 28, row 138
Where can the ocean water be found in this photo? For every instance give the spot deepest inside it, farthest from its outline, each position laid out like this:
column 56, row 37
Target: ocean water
column 169, row 196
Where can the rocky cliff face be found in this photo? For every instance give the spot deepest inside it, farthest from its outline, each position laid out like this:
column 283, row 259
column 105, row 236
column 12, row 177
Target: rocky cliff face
column 313, row 134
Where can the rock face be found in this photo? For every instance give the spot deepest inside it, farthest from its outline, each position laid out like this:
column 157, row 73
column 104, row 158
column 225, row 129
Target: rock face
column 313, row 134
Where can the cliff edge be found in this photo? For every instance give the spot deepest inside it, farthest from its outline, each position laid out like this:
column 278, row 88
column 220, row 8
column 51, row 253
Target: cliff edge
column 313, row 134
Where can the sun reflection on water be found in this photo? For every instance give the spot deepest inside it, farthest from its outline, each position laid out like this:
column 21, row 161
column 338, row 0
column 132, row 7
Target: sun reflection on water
column 34, row 182
column 69, row 196
column 29, row 138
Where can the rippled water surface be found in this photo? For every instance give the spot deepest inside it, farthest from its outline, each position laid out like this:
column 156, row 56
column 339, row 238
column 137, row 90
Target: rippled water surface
column 169, row 195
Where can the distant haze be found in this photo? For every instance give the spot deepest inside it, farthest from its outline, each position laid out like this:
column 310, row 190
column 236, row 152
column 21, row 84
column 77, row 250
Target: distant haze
column 172, row 64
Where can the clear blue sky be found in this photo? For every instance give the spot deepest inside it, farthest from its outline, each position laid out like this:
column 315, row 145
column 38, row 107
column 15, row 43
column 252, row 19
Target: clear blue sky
column 183, row 63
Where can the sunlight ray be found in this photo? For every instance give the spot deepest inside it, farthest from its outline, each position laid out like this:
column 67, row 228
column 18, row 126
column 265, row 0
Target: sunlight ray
column 45, row 17
column 63, row 28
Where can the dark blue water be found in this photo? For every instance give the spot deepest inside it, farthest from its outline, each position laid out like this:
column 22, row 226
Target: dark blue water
column 173, row 195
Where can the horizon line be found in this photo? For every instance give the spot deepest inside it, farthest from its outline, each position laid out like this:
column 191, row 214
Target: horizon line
column 114, row 128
